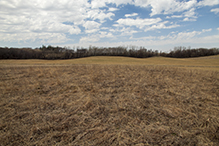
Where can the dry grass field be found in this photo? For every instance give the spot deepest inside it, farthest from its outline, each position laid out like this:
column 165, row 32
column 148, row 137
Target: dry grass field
column 204, row 63
column 155, row 103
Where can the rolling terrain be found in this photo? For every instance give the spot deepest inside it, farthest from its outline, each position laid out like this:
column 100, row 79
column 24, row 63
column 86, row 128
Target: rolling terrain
column 206, row 63
column 110, row 101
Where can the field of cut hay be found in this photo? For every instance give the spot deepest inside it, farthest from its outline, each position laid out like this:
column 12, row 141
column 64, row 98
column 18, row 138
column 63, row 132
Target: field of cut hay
column 108, row 105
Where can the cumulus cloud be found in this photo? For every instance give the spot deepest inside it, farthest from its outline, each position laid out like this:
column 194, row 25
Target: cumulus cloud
column 208, row 2
column 161, row 25
column 98, row 3
column 191, row 34
column 176, row 16
column 104, row 34
column 99, row 15
column 43, row 37
column 176, row 36
column 189, row 19
column 140, row 23
column 125, row 31
column 131, row 15
column 188, row 35
column 145, row 24
column 113, row 9
column 206, row 30
column 96, row 37
column 120, row 2
column 166, row 6
column 190, row 13
column 38, row 17
column 102, row 3
column 216, row 10
column 91, row 26
column 89, row 39
column 56, row 20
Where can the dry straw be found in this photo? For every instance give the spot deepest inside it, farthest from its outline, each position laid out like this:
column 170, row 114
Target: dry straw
column 108, row 105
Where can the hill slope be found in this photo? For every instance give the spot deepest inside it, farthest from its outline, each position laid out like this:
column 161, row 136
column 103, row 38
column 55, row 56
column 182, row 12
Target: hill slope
column 207, row 63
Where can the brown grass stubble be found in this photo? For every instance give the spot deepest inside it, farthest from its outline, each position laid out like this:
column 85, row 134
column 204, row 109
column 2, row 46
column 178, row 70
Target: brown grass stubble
column 108, row 105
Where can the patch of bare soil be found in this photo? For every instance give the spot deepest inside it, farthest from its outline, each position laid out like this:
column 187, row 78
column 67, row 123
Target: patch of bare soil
column 108, row 105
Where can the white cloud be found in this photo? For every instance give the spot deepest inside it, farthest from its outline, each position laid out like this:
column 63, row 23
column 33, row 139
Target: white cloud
column 142, row 3
column 103, row 16
column 123, row 31
column 104, row 28
column 187, row 35
column 216, row 10
column 190, row 13
column 89, row 39
column 53, row 27
column 99, row 14
column 102, row 3
column 193, row 39
column 145, row 24
column 127, row 31
column 164, row 43
column 104, row 34
column 98, row 3
column 208, row 2
column 52, row 21
column 120, row 2
column 39, row 17
column 192, row 34
column 189, row 19
column 161, row 25
column 176, row 16
column 43, row 37
column 144, row 38
column 113, row 9
column 91, row 30
column 206, row 30
column 96, row 37
column 176, row 36
column 74, row 30
column 131, row 15
column 140, row 23
column 166, row 6
column 91, row 26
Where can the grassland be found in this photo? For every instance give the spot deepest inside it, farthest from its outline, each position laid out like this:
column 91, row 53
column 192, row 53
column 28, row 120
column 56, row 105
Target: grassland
column 100, row 101
column 206, row 63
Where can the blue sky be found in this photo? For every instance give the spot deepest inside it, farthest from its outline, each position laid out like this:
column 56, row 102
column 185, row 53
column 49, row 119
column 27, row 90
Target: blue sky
column 154, row 24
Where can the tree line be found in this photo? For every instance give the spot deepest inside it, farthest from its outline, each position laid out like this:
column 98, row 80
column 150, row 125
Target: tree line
column 50, row 52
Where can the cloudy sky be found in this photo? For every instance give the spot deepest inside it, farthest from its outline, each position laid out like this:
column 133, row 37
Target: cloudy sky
column 154, row 24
